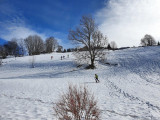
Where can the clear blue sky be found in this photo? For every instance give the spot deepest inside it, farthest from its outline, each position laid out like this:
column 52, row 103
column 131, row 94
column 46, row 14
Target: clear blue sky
column 19, row 18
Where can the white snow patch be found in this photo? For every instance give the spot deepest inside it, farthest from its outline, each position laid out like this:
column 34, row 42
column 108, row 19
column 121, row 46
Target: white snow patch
column 128, row 91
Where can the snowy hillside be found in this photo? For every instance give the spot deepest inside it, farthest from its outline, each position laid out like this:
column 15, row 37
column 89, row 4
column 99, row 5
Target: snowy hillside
column 128, row 91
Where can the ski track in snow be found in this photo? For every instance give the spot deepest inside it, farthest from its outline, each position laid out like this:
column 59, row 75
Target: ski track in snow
column 129, row 91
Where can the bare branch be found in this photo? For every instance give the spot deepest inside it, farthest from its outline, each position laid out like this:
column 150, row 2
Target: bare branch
column 89, row 36
column 77, row 104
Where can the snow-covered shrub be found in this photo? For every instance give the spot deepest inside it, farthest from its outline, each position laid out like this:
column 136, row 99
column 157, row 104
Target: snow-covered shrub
column 113, row 45
column 77, row 104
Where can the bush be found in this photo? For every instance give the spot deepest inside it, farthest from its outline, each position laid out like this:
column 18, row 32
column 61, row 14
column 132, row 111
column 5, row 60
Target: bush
column 77, row 104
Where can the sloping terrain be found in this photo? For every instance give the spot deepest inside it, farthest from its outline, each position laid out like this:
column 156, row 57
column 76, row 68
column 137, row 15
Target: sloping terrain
column 127, row 91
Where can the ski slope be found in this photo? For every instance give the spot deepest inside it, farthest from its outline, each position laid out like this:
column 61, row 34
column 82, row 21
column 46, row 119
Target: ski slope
column 129, row 91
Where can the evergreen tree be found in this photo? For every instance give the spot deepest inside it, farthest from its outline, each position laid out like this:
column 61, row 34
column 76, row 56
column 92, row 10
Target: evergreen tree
column 69, row 50
column 64, row 50
column 109, row 47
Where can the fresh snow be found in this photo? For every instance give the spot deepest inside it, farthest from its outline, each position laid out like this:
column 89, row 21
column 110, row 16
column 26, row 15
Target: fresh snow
column 128, row 91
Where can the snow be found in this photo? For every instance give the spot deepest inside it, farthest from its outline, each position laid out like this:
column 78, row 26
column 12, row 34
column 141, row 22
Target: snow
column 128, row 91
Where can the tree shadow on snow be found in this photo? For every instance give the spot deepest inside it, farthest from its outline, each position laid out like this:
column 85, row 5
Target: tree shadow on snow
column 43, row 75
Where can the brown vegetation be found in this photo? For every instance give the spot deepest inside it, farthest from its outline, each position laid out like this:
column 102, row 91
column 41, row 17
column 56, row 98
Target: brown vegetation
column 77, row 104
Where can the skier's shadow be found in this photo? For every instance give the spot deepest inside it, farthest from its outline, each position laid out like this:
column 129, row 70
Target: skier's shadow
column 89, row 82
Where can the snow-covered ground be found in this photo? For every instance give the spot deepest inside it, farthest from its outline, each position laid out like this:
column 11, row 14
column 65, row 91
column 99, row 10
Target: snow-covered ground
column 129, row 91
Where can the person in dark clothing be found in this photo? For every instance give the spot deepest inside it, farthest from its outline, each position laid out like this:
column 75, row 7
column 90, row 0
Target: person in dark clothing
column 96, row 78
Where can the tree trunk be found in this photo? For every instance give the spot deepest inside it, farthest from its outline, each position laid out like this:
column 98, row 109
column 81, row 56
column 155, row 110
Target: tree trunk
column 92, row 64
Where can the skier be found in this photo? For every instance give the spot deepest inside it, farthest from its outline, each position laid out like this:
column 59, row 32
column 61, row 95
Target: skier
column 96, row 78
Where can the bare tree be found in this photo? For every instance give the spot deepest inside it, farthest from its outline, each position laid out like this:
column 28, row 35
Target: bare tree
column 77, row 104
column 88, row 35
column 51, row 44
column 39, row 45
column 15, row 47
column 3, row 52
column 29, row 44
column 21, row 45
column 12, row 47
column 60, row 48
column 34, row 44
column 113, row 45
column 148, row 40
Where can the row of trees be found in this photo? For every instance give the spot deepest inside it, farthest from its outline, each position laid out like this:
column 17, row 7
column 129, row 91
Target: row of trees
column 11, row 48
column 33, row 44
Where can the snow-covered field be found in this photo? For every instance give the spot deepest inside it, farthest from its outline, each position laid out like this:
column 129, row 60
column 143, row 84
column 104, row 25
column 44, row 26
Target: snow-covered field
column 129, row 91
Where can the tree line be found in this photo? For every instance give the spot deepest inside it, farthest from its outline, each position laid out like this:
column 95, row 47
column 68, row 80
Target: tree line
column 33, row 45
